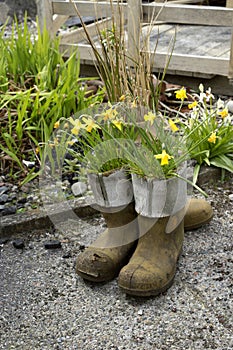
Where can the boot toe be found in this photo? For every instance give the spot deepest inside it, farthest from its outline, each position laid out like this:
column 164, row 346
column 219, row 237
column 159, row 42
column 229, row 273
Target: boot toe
column 143, row 281
column 96, row 266
column 199, row 212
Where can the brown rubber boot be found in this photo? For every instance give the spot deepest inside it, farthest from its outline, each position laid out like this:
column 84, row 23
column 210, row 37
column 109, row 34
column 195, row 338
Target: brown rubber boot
column 103, row 260
column 152, row 267
column 198, row 212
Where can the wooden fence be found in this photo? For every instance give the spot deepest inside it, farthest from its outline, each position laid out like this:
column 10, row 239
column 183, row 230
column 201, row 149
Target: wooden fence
column 55, row 12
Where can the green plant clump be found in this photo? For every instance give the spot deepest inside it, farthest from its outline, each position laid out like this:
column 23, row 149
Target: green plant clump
column 213, row 125
column 37, row 87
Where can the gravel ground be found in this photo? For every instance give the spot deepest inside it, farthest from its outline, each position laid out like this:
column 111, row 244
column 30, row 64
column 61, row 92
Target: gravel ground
column 45, row 305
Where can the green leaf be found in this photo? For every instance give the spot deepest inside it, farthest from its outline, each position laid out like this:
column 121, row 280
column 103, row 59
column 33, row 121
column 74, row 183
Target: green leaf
column 196, row 172
column 207, row 161
column 223, row 162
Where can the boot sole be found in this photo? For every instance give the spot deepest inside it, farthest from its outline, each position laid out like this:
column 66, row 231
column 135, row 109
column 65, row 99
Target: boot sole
column 105, row 275
column 195, row 227
column 147, row 293
column 92, row 278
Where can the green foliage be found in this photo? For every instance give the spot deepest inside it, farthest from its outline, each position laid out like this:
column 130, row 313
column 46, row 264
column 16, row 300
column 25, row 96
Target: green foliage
column 37, row 87
column 98, row 139
column 213, row 125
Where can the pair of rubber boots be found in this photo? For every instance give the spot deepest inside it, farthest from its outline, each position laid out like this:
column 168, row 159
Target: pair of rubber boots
column 142, row 251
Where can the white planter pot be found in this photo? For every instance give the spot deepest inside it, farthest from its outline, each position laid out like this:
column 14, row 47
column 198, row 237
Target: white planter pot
column 113, row 190
column 159, row 198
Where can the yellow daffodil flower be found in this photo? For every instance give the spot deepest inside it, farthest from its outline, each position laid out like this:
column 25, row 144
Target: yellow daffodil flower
column 54, row 143
column 212, row 138
column 56, row 125
column 193, row 105
column 90, row 124
column 70, row 143
column 110, row 113
column 77, row 126
column 134, row 104
column 223, row 113
column 172, row 124
column 181, row 94
column 150, row 117
column 164, row 156
column 118, row 124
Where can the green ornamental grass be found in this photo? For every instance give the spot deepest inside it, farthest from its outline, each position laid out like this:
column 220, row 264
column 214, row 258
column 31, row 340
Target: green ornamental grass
column 37, row 87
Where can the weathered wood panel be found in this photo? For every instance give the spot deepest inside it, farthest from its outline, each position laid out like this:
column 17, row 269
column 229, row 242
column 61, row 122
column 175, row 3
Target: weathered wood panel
column 209, row 53
column 98, row 8
column 195, row 64
column 134, row 25
column 179, row 62
column 78, row 35
column 186, row 14
column 231, row 61
column 229, row 3
column 196, row 40
column 46, row 16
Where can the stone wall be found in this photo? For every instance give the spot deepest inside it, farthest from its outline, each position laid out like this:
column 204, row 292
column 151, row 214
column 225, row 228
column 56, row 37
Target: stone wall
column 9, row 8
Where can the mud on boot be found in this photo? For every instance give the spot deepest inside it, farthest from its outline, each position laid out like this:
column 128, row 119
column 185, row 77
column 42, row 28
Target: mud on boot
column 103, row 260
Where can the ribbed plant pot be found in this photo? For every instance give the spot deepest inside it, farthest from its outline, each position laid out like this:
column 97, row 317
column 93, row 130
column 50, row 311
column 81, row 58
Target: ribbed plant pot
column 111, row 190
column 156, row 198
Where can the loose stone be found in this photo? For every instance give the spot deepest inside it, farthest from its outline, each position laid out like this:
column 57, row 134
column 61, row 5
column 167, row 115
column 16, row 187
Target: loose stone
column 67, row 255
column 9, row 210
column 18, row 244
column 3, row 240
column 4, row 198
column 3, row 189
column 229, row 106
column 78, row 188
column 13, row 195
column 52, row 244
column 22, row 200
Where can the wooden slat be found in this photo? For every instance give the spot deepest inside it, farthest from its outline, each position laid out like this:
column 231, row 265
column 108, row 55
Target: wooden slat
column 195, row 64
column 186, row 63
column 45, row 14
column 133, row 26
column 46, row 17
column 229, row 3
column 99, row 9
column 230, row 73
column 188, row 14
column 84, row 52
column 200, row 40
column 191, row 39
column 79, row 34
column 219, row 50
column 58, row 21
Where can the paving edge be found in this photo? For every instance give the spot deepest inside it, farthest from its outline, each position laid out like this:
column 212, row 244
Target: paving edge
column 60, row 212
column 45, row 217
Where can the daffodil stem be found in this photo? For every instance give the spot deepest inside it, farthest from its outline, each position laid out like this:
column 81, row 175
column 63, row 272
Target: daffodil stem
column 173, row 110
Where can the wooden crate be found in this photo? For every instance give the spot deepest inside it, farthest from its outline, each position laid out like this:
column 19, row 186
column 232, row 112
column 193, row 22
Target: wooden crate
column 212, row 52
